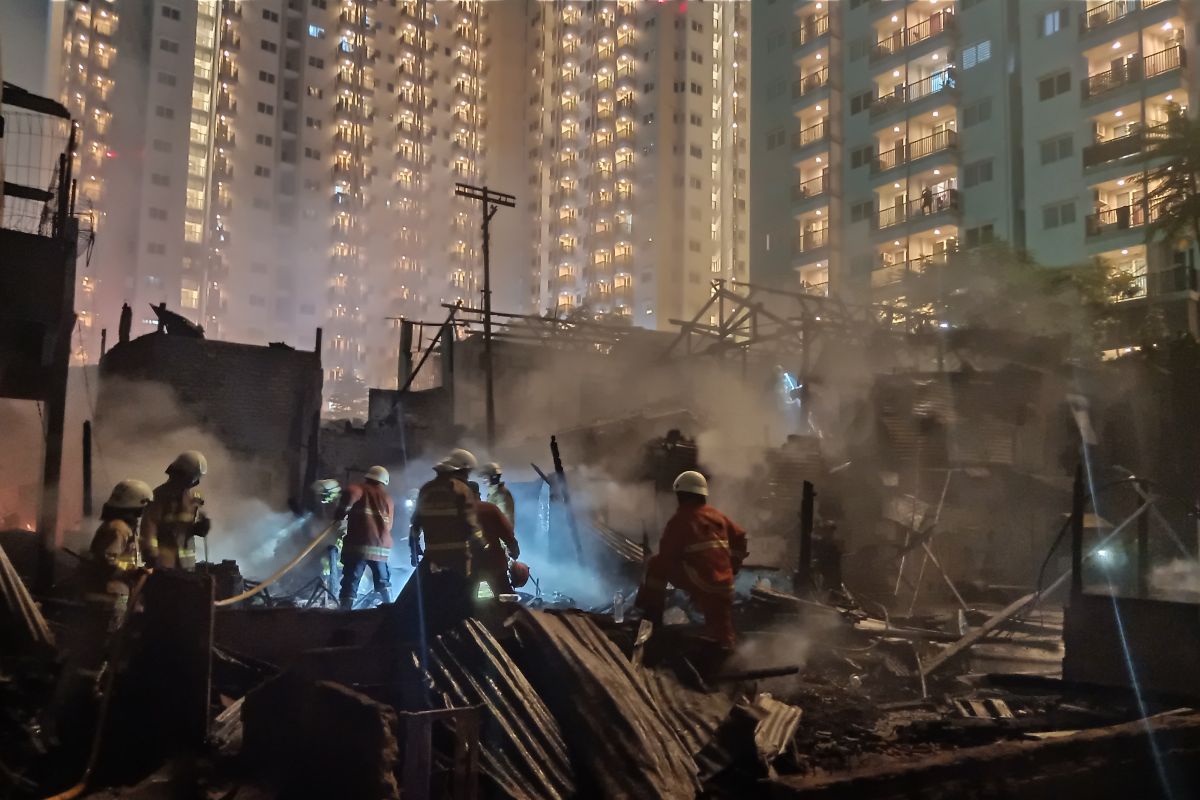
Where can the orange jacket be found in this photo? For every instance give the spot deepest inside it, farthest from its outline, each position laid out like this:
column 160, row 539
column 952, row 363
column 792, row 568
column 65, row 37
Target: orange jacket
column 369, row 511
column 496, row 528
column 707, row 545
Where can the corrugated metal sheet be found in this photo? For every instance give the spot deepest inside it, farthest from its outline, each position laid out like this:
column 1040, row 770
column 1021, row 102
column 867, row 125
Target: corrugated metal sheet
column 777, row 727
column 524, row 752
column 624, row 744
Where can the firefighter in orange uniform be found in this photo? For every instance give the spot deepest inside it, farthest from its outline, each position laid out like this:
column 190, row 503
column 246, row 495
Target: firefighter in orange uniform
column 501, row 544
column 445, row 517
column 174, row 517
column 700, row 552
column 369, row 512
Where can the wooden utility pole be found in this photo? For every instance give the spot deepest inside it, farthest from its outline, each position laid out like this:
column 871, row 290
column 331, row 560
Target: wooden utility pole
column 490, row 203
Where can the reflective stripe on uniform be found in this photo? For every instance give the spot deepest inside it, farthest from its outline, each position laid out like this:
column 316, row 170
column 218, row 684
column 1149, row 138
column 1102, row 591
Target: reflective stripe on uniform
column 434, row 548
column 180, row 517
column 714, row 544
column 425, row 511
column 366, row 550
column 185, row 553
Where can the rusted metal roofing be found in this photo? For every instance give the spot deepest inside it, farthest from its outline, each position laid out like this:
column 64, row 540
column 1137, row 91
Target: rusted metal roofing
column 524, row 752
column 623, row 744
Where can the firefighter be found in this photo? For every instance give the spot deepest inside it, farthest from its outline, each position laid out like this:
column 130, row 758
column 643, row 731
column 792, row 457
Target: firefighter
column 497, row 493
column 369, row 512
column 326, row 494
column 445, row 516
column 175, row 516
column 501, row 540
column 113, row 556
column 700, row 552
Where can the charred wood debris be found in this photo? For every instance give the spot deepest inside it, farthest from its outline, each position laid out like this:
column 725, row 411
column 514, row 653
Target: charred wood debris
column 824, row 698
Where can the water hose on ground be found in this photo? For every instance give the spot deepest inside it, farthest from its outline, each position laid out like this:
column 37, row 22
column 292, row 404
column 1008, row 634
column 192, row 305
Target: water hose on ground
column 285, row 569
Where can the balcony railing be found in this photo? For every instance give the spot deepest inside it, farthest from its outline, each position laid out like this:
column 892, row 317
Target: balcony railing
column 813, row 187
column 811, row 29
column 889, row 274
column 914, row 34
column 1121, row 218
column 918, row 148
column 1134, row 70
column 810, row 135
column 810, row 82
column 815, row 239
column 918, row 207
column 1123, row 146
column 940, row 81
column 1108, row 13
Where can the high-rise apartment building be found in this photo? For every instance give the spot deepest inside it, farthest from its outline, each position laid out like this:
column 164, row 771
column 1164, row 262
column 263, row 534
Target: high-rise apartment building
column 888, row 134
column 637, row 123
column 272, row 167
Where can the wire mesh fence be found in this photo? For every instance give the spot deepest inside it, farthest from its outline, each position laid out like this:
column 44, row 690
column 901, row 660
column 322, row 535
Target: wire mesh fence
column 33, row 144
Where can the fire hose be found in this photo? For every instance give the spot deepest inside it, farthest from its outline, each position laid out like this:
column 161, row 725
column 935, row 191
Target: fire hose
column 285, row 569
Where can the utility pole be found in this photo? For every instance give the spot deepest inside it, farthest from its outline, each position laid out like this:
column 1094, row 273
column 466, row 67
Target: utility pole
column 490, row 203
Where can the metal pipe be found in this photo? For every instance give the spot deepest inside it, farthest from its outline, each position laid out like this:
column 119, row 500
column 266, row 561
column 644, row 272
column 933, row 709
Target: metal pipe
column 87, row 467
column 1078, row 505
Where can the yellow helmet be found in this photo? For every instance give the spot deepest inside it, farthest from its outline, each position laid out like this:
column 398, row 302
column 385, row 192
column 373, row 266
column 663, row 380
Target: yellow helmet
column 130, row 493
column 191, row 464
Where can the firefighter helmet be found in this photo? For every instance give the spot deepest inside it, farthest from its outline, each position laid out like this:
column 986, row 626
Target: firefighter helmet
column 456, row 461
column 190, row 464
column 490, row 469
column 327, row 490
column 130, row 494
column 379, row 475
column 691, row 482
column 518, row 574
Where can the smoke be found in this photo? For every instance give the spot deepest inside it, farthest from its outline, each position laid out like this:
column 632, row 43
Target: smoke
column 1180, row 577
column 143, row 428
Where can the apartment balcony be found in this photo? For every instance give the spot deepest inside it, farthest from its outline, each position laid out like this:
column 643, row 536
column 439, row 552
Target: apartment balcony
column 562, row 281
column 1114, row 221
column 625, row 104
column 932, row 210
column 222, row 169
column 810, row 84
column 1122, row 147
column 811, row 29
column 811, row 241
column 227, row 73
column 1102, row 16
column 810, row 189
column 341, row 201
column 891, row 274
column 622, row 295
column 226, row 105
column 1130, row 72
column 229, row 40
column 223, row 136
column 598, row 296
column 564, row 252
column 805, row 138
column 902, row 39
column 940, row 142
column 294, row 8
column 354, row 23
column 231, row 9
column 353, row 84
column 911, row 95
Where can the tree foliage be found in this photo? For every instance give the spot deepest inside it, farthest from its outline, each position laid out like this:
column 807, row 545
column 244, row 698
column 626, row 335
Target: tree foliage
column 1175, row 196
column 998, row 287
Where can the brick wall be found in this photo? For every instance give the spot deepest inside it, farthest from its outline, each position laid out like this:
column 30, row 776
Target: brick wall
column 260, row 402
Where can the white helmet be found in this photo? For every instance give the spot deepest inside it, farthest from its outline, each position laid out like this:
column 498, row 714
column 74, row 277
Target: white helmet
column 379, row 475
column 130, row 494
column 691, row 482
column 191, row 464
column 457, row 460
column 489, row 469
